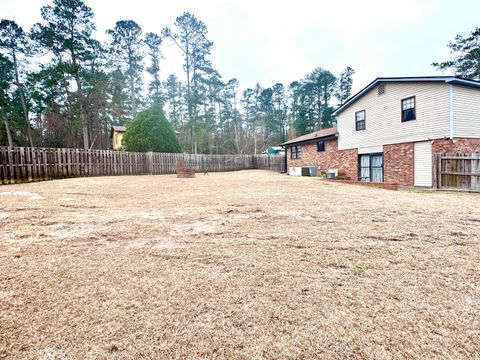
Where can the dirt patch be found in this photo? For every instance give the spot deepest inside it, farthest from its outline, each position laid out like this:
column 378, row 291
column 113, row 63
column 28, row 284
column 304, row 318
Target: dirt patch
column 25, row 194
column 3, row 215
column 248, row 264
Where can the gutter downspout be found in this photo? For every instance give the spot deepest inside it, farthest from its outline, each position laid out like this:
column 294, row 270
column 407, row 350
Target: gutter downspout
column 450, row 110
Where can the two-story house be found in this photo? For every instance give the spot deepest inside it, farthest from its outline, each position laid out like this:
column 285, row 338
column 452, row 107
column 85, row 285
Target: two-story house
column 388, row 131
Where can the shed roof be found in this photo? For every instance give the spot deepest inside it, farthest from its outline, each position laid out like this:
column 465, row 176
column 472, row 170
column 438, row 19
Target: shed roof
column 447, row 79
column 319, row 134
column 119, row 128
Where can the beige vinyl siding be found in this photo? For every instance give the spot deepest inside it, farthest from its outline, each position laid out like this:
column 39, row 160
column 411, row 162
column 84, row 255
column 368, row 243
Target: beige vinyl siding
column 422, row 163
column 383, row 116
column 117, row 140
column 466, row 111
column 370, row 149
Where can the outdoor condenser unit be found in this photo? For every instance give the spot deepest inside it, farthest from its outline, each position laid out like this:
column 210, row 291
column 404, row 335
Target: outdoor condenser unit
column 309, row 171
column 332, row 173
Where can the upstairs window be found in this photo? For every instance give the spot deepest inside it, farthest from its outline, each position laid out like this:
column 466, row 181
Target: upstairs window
column 408, row 109
column 295, row 152
column 360, row 120
column 320, row 146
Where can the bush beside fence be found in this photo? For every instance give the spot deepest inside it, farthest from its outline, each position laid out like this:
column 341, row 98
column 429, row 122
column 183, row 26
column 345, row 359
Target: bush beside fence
column 36, row 164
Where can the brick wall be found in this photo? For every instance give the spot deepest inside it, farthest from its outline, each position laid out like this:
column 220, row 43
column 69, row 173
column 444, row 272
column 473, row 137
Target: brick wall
column 346, row 161
column 183, row 171
column 364, row 183
column 458, row 145
column 398, row 158
column 398, row 164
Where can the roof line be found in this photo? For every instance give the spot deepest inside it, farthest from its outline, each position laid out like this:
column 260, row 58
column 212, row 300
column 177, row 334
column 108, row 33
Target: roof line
column 446, row 79
column 326, row 137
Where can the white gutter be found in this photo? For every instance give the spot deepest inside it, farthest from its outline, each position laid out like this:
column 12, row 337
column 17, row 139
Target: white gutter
column 450, row 109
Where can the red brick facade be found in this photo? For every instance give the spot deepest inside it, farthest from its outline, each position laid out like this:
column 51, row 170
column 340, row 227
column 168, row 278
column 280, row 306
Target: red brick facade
column 368, row 184
column 398, row 164
column 346, row 161
column 457, row 145
column 183, row 171
column 398, row 159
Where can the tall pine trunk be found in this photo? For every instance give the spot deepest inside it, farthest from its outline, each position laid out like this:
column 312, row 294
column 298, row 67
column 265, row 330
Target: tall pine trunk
column 132, row 96
column 189, row 103
column 7, row 128
column 80, row 100
column 82, row 113
column 22, row 99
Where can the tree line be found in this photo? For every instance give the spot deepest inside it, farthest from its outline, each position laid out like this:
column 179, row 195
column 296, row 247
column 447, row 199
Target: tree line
column 61, row 87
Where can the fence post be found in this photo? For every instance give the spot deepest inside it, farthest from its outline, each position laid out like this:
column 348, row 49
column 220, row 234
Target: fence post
column 439, row 168
column 149, row 162
column 434, row 171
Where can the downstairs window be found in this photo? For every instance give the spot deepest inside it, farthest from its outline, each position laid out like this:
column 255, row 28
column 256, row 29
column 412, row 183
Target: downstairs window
column 295, row 152
column 320, row 146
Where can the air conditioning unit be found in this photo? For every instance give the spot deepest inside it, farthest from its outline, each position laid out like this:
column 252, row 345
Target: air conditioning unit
column 332, row 173
column 309, row 171
column 295, row 171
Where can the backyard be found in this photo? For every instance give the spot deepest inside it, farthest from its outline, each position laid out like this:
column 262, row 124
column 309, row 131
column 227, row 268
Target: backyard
column 247, row 264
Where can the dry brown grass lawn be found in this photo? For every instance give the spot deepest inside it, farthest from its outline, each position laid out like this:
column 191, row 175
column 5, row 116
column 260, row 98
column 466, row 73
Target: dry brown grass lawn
column 248, row 264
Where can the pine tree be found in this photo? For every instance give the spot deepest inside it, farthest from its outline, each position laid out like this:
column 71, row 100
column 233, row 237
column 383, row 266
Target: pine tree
column 344, row 89
column 126, row 48
column 191, row 39
column 14, row 42
column 66, row 33
column 153, row 41
column 6, row 78
column 466, row 56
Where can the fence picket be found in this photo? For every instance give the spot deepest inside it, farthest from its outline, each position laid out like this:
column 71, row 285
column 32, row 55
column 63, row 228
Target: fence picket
column 36, row 164
column 457, row 171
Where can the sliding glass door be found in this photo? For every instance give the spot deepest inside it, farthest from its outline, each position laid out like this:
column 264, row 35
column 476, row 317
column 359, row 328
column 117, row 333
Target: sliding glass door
column 364, row 168
column 370, row 167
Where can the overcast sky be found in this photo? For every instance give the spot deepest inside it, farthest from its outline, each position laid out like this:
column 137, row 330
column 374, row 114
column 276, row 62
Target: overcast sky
column 282, row 41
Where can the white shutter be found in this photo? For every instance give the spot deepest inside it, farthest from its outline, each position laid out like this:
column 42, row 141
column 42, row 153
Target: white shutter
column 422, row 163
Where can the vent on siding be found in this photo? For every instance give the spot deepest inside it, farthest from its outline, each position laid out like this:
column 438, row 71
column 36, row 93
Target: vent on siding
column 381, row 89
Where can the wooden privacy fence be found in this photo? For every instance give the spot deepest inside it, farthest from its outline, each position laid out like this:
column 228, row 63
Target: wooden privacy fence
column 37, row 164
column 456, row 171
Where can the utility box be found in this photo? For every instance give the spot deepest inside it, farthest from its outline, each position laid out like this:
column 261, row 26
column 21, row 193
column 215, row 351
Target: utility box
column 295, row 171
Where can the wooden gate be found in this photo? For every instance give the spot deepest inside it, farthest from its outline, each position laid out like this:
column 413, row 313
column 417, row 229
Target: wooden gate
column 456, row 171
